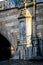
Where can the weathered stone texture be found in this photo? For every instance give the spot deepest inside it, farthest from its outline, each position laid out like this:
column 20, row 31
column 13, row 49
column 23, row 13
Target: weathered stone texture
column 8, row 25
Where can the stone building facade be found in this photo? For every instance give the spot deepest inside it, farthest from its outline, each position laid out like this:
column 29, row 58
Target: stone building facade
column 6, row 4
column 23, row 27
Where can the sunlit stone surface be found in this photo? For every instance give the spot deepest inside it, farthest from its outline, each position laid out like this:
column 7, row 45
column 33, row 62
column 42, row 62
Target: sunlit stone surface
column 10, row 25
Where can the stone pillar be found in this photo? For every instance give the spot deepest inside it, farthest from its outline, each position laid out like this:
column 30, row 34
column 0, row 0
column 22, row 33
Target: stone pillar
column 25, row 29
column 28, row 33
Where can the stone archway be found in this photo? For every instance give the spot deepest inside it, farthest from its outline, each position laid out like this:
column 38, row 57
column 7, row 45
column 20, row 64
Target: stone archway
column 6, row 49
column 5, row 31
column 4, row 42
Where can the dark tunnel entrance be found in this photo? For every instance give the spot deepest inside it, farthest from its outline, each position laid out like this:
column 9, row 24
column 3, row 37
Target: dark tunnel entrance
column 5, row 48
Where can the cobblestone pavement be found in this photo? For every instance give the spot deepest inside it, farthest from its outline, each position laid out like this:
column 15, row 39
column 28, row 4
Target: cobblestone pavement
column 20, row 62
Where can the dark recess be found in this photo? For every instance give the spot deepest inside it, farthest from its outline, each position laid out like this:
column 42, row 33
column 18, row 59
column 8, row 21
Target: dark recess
column 5, row 48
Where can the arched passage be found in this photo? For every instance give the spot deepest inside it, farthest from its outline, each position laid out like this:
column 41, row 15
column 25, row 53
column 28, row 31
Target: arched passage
column 5, row 48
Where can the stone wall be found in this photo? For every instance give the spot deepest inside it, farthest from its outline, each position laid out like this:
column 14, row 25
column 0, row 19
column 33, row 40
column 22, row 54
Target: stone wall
column 9, row 25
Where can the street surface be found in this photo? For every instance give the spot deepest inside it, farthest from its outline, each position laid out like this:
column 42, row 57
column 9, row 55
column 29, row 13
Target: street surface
column 20, row 62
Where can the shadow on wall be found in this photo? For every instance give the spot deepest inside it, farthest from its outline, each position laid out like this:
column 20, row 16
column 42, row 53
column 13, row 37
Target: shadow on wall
column 5, row 48
column 41, row 46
